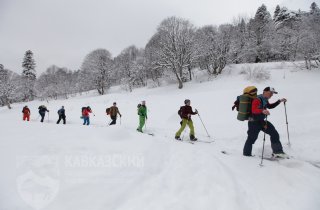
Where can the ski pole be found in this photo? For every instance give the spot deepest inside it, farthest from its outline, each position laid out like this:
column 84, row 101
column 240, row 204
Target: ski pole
column 264, row 140
column 120, row 120
column 203, row 123
column 48, row 116
column 285, row 111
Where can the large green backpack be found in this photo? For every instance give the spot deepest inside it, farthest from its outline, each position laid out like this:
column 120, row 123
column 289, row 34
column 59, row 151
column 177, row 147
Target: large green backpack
column 245, row 102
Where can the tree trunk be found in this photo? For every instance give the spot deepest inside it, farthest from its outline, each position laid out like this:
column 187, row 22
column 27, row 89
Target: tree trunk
column 8, row 105
column 180, row 84
column 179, row 81
column 190, row 73
column 180, row 78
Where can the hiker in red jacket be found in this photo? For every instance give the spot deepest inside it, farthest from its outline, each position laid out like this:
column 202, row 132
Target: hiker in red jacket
column 257, row 123
column 86, row 115
column 26, row 113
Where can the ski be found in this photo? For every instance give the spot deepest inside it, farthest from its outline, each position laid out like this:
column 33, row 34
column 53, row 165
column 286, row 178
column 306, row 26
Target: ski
column 188, row 141
column 150, row 134
column 272, row 158
column 208, row 142
column 184, row 141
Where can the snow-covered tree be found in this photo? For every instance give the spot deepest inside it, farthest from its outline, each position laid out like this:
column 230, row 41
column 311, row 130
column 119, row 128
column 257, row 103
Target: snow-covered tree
column 314, row 9
column 260, row 35
column 8, row 87
column 309, row 46
column 276, row 12
column 56, row 82
column 288, row 33
column 96, row 69
column 154, row 72
column 261, row 21
column 172, row 46
column 28, row 76
column 239, row 42
column 214, row 47
column 130, row 67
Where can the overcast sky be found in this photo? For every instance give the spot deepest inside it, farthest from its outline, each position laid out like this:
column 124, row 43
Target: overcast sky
column 62, row 32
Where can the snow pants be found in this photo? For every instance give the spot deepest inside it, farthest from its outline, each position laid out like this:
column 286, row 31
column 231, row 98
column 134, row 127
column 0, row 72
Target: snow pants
column 142, row 121
column 254, row 128
column 26, row 117
column 42, row 116
column 86, row 121
column 62, row 117
column 113, row 120
column 186, row 122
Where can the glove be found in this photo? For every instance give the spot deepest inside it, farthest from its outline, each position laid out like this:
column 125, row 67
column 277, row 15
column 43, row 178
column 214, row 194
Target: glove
column 283, row 100
column 266, row 112
column 120, row 115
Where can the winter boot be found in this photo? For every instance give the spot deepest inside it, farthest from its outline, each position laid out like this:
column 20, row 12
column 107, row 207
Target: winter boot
column 280, row 155
column 248, row 155
column 178, row 138
column 192, row 138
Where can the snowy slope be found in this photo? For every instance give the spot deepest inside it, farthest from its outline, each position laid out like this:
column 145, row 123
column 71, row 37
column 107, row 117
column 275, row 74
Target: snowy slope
column 64, row 167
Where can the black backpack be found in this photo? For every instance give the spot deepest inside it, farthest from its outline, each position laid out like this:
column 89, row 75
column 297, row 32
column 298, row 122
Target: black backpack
column 180, row 111
column 236, row 104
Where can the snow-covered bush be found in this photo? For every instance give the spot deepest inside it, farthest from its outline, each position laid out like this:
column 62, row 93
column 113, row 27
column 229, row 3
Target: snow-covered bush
column 255, row 73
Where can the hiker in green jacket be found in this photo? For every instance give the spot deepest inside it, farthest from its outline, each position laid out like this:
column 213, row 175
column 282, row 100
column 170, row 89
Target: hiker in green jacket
column 142, row 112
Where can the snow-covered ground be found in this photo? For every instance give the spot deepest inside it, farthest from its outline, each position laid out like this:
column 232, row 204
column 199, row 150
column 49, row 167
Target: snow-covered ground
column 68, row 167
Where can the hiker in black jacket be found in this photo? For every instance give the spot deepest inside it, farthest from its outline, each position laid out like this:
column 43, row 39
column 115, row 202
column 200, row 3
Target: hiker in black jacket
column 62, row 115
column 42, row 111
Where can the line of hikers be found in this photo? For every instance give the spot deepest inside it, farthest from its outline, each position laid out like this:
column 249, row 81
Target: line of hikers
column 250, row 107
column 42, row 113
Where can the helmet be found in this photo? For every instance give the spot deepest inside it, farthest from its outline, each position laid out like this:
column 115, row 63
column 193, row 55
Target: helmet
column 186, row 101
